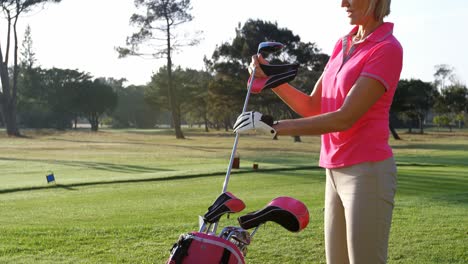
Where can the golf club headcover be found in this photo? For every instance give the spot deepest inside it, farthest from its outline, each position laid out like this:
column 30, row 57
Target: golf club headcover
column 270, row 69
column 290, row 213
column 255, row 120
column 273, row 80
column 225, row 203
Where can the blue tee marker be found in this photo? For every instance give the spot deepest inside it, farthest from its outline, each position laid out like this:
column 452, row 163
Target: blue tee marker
column 50, row 178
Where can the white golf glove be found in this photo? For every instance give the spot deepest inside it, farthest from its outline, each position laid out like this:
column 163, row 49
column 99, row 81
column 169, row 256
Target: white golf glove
column 255, row 120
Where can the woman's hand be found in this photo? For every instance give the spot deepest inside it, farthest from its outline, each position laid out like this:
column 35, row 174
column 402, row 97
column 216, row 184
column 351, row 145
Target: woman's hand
column 255, row 64
column 254, row 120
column 269, row 76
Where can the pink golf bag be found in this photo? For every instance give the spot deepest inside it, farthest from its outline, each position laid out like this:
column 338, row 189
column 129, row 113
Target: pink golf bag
column 201, row 248
column 230, row 245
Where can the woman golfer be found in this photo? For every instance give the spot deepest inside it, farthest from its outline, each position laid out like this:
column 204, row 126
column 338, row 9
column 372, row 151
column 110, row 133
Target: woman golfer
column 349, row 107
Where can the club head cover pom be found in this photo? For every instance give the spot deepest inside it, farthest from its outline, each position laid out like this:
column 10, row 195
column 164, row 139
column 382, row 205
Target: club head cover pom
column 271, row 81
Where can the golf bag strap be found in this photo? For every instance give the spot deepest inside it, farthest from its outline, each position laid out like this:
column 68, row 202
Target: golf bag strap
column 270, row 69
column 182, row 246
column 225, row 257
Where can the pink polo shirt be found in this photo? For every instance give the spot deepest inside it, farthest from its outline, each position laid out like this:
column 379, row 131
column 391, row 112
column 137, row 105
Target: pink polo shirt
column 379, row 57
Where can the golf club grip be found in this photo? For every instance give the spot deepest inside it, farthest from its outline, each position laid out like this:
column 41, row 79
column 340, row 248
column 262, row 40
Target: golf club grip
column 236, row 140
column 246, row 102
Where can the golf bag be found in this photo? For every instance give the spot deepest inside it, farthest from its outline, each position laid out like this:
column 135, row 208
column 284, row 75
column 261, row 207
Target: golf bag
column 230, row 245
column 201, row 248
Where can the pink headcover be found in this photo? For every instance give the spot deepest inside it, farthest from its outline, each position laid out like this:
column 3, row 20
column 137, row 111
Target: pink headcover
column 258, row 84
column 235, row 204
column 295, row 207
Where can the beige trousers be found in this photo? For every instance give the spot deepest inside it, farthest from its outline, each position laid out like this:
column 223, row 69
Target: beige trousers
column 358, row 212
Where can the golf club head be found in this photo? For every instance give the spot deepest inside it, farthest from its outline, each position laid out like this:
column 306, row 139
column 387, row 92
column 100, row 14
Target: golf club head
column 268, row 47
column 236, row 233
column 238, row 236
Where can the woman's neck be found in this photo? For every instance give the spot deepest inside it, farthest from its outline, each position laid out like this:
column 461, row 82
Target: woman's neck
column 367, row 28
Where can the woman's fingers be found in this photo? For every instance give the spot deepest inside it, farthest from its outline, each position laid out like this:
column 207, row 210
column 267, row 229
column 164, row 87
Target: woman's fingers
column 255, row 64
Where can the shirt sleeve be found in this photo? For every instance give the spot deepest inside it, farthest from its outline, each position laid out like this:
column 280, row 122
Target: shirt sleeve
column 384, row 64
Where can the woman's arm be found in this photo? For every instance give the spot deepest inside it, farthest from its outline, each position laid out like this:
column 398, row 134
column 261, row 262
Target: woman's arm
column 301, row 103
column 361, row 97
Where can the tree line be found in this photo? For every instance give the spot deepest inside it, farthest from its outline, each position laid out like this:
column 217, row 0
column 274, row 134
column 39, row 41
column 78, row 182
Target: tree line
column 33, row 97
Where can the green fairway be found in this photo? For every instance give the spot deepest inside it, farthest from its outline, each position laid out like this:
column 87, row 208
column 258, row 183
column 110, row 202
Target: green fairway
column 125, row 196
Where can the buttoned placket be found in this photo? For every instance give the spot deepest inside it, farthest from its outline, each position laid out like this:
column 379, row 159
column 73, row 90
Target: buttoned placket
column 347, row 54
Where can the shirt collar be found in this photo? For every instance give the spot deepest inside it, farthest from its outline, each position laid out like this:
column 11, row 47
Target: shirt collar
column 379, row 34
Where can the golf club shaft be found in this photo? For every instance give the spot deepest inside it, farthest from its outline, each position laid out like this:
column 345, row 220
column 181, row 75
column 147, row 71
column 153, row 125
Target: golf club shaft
column 267, row 47
column 236, row 140
column 234, row 147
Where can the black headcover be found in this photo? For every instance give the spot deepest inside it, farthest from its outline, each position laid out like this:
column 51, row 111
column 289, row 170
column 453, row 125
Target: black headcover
column 225, row 203
column 270, row 69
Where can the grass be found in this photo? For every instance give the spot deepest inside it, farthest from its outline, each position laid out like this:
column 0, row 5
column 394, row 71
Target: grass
column 124, row 196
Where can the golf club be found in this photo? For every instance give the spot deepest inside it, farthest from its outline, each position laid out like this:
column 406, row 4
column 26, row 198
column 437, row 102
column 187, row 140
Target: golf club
column 230, row 246
column 264, row 48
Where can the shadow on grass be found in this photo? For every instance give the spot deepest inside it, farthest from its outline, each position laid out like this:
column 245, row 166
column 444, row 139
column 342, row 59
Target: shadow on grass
column 425, row 165
column 187, row 133
column 93, row 165
column 170, row 178
column 435, row 161
column 428, row 146
column 456, row 198
column 68, row 188
column 180, row 146
column 441, row 183
column 200, row 148
column 425, row 184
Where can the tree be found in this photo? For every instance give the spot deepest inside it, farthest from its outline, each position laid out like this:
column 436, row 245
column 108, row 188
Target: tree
column 133, row 110
column 61, row 96
column 453, row 102
column 28, row 56
column 12, row 9
column 443, row 120
column 453, row 99
column 392, row 127
column 197, row 107
column 461, row 119
column 412, row 101
column 95, row 99
column 59, row 89
column 222, row 99
column 29, row 93
column 191, row 87
column 161, row 16
column 443, row 73
column 156, row 92
column 229, row 62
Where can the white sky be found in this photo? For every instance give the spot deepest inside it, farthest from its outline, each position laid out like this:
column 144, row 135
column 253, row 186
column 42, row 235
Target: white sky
column 82, row 34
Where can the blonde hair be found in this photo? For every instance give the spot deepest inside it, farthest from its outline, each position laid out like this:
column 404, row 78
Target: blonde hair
column 380, row 8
